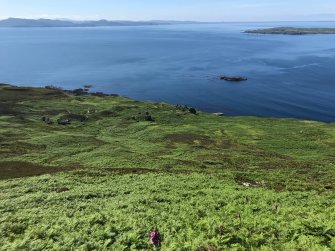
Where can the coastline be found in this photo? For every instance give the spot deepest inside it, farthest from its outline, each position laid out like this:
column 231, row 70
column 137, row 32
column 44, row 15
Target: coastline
column 294, row 31
column 221, row 113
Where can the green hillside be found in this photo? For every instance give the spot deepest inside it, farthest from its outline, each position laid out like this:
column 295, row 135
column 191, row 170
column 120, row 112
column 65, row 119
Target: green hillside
column 95, row 172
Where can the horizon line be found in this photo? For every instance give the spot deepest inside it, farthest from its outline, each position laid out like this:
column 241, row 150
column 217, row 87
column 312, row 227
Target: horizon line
column 161, row 20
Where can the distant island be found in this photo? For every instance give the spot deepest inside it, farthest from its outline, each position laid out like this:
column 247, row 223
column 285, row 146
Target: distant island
column 20, row 22
column 293, row 31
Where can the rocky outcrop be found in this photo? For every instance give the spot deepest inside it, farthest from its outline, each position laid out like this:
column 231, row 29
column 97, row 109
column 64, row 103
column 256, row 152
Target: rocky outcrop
column 233, row 78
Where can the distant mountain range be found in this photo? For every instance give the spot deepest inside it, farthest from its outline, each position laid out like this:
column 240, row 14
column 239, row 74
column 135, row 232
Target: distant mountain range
column 20, row 22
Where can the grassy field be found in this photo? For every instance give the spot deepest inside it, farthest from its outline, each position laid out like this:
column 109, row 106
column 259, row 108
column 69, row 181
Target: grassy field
column 122, row 167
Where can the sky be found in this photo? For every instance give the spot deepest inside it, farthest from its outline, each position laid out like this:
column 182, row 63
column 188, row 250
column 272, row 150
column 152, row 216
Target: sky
column 196, row 10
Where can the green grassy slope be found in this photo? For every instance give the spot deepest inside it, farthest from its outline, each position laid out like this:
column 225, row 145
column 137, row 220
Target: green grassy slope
column 111, row 175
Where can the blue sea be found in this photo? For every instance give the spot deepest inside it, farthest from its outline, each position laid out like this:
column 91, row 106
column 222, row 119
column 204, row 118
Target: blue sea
column 289, row 76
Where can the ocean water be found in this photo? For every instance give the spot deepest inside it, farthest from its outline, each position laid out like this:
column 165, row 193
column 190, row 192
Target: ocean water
column 289, row 76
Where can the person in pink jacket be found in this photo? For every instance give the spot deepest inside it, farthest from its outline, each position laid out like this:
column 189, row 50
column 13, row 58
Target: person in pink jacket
column 155, row 237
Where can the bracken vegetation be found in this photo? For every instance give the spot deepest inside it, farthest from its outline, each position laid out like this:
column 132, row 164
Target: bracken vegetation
column 96, row 172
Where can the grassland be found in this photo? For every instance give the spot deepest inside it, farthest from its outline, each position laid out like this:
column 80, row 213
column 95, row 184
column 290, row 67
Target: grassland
column 293, row 31
column 207, row 182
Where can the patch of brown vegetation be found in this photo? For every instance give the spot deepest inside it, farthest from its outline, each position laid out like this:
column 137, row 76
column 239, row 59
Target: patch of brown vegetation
column 289, row 164
column 226, row 144
column 189, row 138
column 17, row 94
column 128, row 171
column 62, row 190
column 18, row 147
column 20, row 169
column 139, row 170
column 8, row 110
